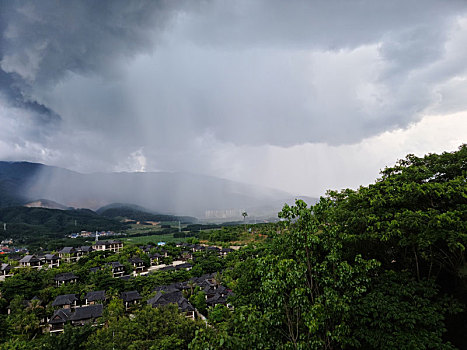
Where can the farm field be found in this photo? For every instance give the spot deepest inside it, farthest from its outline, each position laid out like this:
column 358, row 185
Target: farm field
column 153, row 238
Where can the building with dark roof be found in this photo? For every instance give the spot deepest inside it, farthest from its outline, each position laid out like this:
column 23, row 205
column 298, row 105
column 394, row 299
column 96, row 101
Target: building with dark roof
column 68, row 254
column 83, row 250
column 58, row 320
column 52, row 260
column 155, row 259
column 30, row 261
column 65, row 301
column 137, row 263
column 162, row 299
column 5, row 270
column 80, row 316
column 117, row 268
column 65, row 278
column 86, row 314
column 92, row 298
column 130, row 298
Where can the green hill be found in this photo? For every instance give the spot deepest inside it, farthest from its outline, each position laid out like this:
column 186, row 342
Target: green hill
column 32, row 224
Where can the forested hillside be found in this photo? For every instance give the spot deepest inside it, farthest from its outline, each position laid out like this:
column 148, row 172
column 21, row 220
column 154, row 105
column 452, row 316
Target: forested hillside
column 382, row 267
column 37, row 224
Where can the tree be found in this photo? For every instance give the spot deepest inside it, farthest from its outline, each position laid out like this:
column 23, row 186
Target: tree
column 150, row 328
column 244, row 214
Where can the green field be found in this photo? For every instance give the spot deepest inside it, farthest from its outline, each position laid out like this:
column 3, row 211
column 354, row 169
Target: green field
column 153, row 238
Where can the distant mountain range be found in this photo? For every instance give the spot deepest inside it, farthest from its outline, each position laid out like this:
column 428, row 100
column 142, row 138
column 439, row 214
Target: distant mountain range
column 205, row 197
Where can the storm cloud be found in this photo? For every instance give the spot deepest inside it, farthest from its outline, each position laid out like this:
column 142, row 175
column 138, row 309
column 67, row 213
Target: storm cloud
column 210, row 86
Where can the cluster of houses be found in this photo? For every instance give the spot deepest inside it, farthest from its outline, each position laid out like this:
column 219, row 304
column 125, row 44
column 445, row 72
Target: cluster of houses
column 66, row 254
column 73, row 254
column 69, row 308
column 6, row 247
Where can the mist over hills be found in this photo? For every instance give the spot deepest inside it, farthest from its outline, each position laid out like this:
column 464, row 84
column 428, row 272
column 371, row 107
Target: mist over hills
column 204, row 197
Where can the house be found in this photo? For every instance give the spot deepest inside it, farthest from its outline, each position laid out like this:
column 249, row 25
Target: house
column 5, row 270
column 30, row 261
column 173, row 297
column 186, row 255
column 92, row 298
column 52, row 260
column 130, row 298
column 213, row 249
column 197, row 248
column 137, row 263
column 83, row 250
column 68, row 254
column 225, row 251
column 117, row 268
column 86, row 314
column 80, row 316
column 112, row 245
column 58, row 320
column 163, row 252
column 216, row 299
column 65, row 278
column 65, row 301
column 216, row 294
column 155, row 259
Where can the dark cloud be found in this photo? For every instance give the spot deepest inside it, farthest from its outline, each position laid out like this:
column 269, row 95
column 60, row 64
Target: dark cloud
column 114, row 84
column 42, row 41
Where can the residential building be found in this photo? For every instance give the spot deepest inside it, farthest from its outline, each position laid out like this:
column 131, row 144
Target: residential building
column 30, row 261
column 117, row 268
column 51, row 260
column 96, row 297
column 130, row 298
column 68, row 254
column 112, row 245
column 65, row 301
column 65, row 278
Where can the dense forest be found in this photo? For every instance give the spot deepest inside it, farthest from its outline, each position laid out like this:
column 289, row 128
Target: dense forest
column 380, row 267
column 32, row 225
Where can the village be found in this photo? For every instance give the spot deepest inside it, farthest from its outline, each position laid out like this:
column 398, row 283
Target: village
column 80, row 307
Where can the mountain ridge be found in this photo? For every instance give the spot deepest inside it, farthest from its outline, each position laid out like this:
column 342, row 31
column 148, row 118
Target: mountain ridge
column 162, row 192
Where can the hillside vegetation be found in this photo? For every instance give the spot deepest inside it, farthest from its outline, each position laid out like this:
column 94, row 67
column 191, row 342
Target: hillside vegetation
column 29, row 225
column 380, row 267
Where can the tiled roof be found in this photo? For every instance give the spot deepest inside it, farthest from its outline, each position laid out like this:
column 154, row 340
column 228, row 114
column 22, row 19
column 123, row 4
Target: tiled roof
column 60, row 316
column 176, row 297
column 51, row 257
column 66, row 276
column 64, row 299
column 136, row 260
column 29, row 259
column 87, row 312
column 94, row 296
column 67, row 250
column 131, row 296
column 115, row 264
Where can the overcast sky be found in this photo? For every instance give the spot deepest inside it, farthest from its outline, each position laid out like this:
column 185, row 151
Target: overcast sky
column 302, row 96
